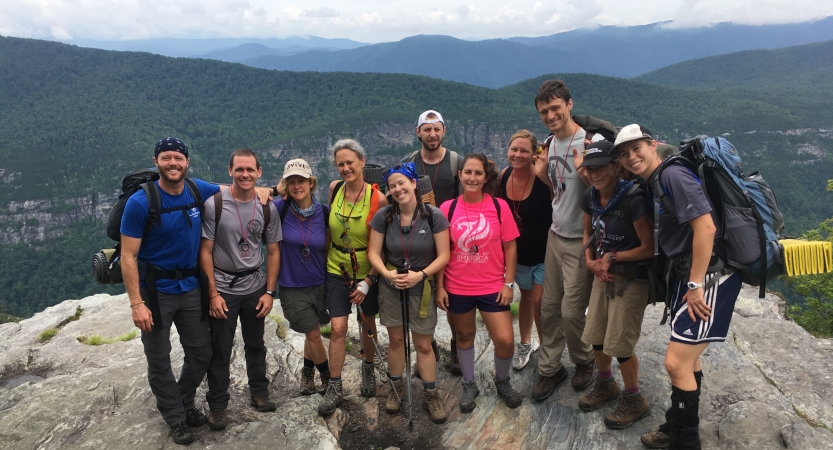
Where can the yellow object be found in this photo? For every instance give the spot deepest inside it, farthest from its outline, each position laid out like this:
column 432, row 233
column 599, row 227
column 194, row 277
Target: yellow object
column 807, row 257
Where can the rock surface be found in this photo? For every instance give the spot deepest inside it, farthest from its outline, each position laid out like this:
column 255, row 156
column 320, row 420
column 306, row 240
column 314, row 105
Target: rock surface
column 768, row 387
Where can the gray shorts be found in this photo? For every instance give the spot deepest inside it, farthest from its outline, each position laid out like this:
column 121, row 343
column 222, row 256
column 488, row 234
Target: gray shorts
column 304, row 308
column 390, row 308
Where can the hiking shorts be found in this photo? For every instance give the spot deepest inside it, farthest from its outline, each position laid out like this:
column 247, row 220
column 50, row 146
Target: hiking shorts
column 721, row 298
column 338, row 298
column 528, row 276
column 305, row 308
column 616, row 322
column 390, row 308
column 461, row 304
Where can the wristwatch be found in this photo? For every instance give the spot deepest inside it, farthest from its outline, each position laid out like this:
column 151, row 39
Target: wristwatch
column 424, row 275
column 272, row 293
column 510, row 285
column 693, row 285
column 373, row 278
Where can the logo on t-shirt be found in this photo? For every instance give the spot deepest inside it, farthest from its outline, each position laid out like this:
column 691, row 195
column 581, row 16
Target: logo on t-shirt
column 255, row 226
column 475, row 230
column 194, row 213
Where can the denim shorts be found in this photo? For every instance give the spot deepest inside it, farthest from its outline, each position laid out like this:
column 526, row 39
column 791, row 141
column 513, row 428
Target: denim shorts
column 526, row 276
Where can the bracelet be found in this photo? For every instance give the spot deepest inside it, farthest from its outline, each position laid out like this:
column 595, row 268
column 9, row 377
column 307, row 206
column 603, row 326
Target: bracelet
column 136, row 305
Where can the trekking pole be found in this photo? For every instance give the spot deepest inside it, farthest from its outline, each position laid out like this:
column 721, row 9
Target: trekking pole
column 404, row 300
column 363, row 320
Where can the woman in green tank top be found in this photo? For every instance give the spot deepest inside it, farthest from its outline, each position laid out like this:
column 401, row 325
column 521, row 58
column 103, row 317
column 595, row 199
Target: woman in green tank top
column 349, row 275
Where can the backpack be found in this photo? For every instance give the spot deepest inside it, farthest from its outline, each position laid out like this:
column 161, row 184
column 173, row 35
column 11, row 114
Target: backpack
column 745, row 206
column 454, row 161
column 106, row 263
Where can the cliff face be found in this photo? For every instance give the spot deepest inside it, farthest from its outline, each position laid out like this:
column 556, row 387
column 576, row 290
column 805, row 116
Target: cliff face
column 767, row 387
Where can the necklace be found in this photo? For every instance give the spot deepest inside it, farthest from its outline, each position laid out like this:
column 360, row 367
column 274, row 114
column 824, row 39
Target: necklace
column 560, row 176
column 516, row 206
column 243, row 243
column 474, row 249
column 305, row 251
column 407, row 230
column 345, row 220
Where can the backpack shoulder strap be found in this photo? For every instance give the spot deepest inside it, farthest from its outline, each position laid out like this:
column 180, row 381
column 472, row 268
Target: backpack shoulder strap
column 456, row 165
column 195, row 192
column 410, row 157
column 375, row 197
column 326, row 210
column 284, row 209
column 154, row 205
column 497, row 209
column 335, row 191
column 218, row 210
column 267, row 218
column 430, row 217
column 451, row 208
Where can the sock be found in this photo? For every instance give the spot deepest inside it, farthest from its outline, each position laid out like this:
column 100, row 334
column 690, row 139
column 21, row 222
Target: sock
column 396, row 378
column 369, row 363
column 308, row 363
column 632, row 390
column 605, row 374
column 502, row 367
column 466, row 357
column 429, row 386
column 335, row 379
column 324, row 367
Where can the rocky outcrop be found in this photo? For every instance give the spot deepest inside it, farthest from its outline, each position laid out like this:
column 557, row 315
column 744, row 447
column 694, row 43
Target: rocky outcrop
column 768, row 387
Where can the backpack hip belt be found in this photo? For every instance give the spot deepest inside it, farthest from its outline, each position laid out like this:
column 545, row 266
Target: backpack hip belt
column 237, row 275
column 347, row 250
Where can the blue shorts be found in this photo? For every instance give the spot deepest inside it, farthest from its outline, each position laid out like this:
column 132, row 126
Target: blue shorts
column 526, row 276
column 721, row 298
column 461, row 304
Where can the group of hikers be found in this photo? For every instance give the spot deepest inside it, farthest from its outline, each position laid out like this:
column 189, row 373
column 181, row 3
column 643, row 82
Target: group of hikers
column 569, row 222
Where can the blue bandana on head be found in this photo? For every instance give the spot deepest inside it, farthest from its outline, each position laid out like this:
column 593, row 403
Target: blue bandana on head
column 408, row 169
column 170, row 144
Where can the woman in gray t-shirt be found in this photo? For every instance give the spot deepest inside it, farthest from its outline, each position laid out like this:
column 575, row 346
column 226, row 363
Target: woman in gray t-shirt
column 413, row 237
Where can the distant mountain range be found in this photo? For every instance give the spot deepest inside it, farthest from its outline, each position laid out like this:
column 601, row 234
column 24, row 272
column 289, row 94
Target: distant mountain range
column 614, row 51
column 802, row 66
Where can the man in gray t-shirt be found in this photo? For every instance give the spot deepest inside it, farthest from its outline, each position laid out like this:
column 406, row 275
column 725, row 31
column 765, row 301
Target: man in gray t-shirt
column 567, row 282
column 231, row 256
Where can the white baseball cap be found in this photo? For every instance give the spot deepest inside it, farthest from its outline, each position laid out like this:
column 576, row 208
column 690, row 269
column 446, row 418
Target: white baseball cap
column 423, row 118
column 631, row 132
column 297, row 167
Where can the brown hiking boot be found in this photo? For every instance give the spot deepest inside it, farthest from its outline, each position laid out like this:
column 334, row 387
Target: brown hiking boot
column 325, row 380
column 263, row 404
column 546, row 385
column 395, row 397
column 655, row 439
column 217, row 419
column 308, row 381
column 603, row 391
column 431, row 402
column 631, row 408
column 583, row 375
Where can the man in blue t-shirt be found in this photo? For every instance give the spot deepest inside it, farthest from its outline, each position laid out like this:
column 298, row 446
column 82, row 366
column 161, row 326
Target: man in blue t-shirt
column 161, row 278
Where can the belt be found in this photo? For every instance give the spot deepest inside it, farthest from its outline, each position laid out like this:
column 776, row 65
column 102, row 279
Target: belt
column 347, row 250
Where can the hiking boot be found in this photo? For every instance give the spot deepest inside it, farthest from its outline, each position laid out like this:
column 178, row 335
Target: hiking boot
column 325, row 380
column 181, row 433
column 508, row 393
column 453, row 360
column 393, row 402
column 431, row 403
column 195, row 418
column 263, row 404
column 470, row 392
column 605, row 390
column 631, row 408
column 655, row 439
column 583, row 376
column 308, row 381
column 332, row 398
column 217, row 419
column 368, row 380
column 546, row 385
column 522, row 354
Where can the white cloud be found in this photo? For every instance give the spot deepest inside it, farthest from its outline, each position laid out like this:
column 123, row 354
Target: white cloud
column 374, row 21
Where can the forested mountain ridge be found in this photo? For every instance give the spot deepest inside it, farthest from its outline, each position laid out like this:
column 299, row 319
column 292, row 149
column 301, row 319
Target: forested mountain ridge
column 75, row 120
column 801, row 67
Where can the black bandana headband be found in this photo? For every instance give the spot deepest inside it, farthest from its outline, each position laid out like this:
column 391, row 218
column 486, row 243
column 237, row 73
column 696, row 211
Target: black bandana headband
column 170, row 144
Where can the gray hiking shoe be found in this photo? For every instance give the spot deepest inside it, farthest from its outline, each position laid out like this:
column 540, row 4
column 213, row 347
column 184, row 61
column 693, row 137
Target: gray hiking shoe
column 470, row 392
column 509, row 395
column 368, row 380
column 332, row 398
column 605, row 390
column 522, row 354
column 308, row 381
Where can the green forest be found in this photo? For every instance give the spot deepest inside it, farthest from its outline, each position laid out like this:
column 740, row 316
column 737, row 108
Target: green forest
column 75, row 120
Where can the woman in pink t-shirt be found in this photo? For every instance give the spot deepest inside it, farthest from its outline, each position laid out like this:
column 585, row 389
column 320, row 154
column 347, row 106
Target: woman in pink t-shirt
column 480, row 274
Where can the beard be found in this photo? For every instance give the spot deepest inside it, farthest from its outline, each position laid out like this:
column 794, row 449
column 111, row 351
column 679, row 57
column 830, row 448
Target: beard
column 433, row 145
column 167, row 177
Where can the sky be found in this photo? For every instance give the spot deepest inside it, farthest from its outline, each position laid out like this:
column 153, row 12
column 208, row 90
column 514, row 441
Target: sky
column 375, row 21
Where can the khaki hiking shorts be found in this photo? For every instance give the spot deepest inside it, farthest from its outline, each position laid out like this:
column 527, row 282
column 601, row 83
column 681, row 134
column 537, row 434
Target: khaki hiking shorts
column 616, row 322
